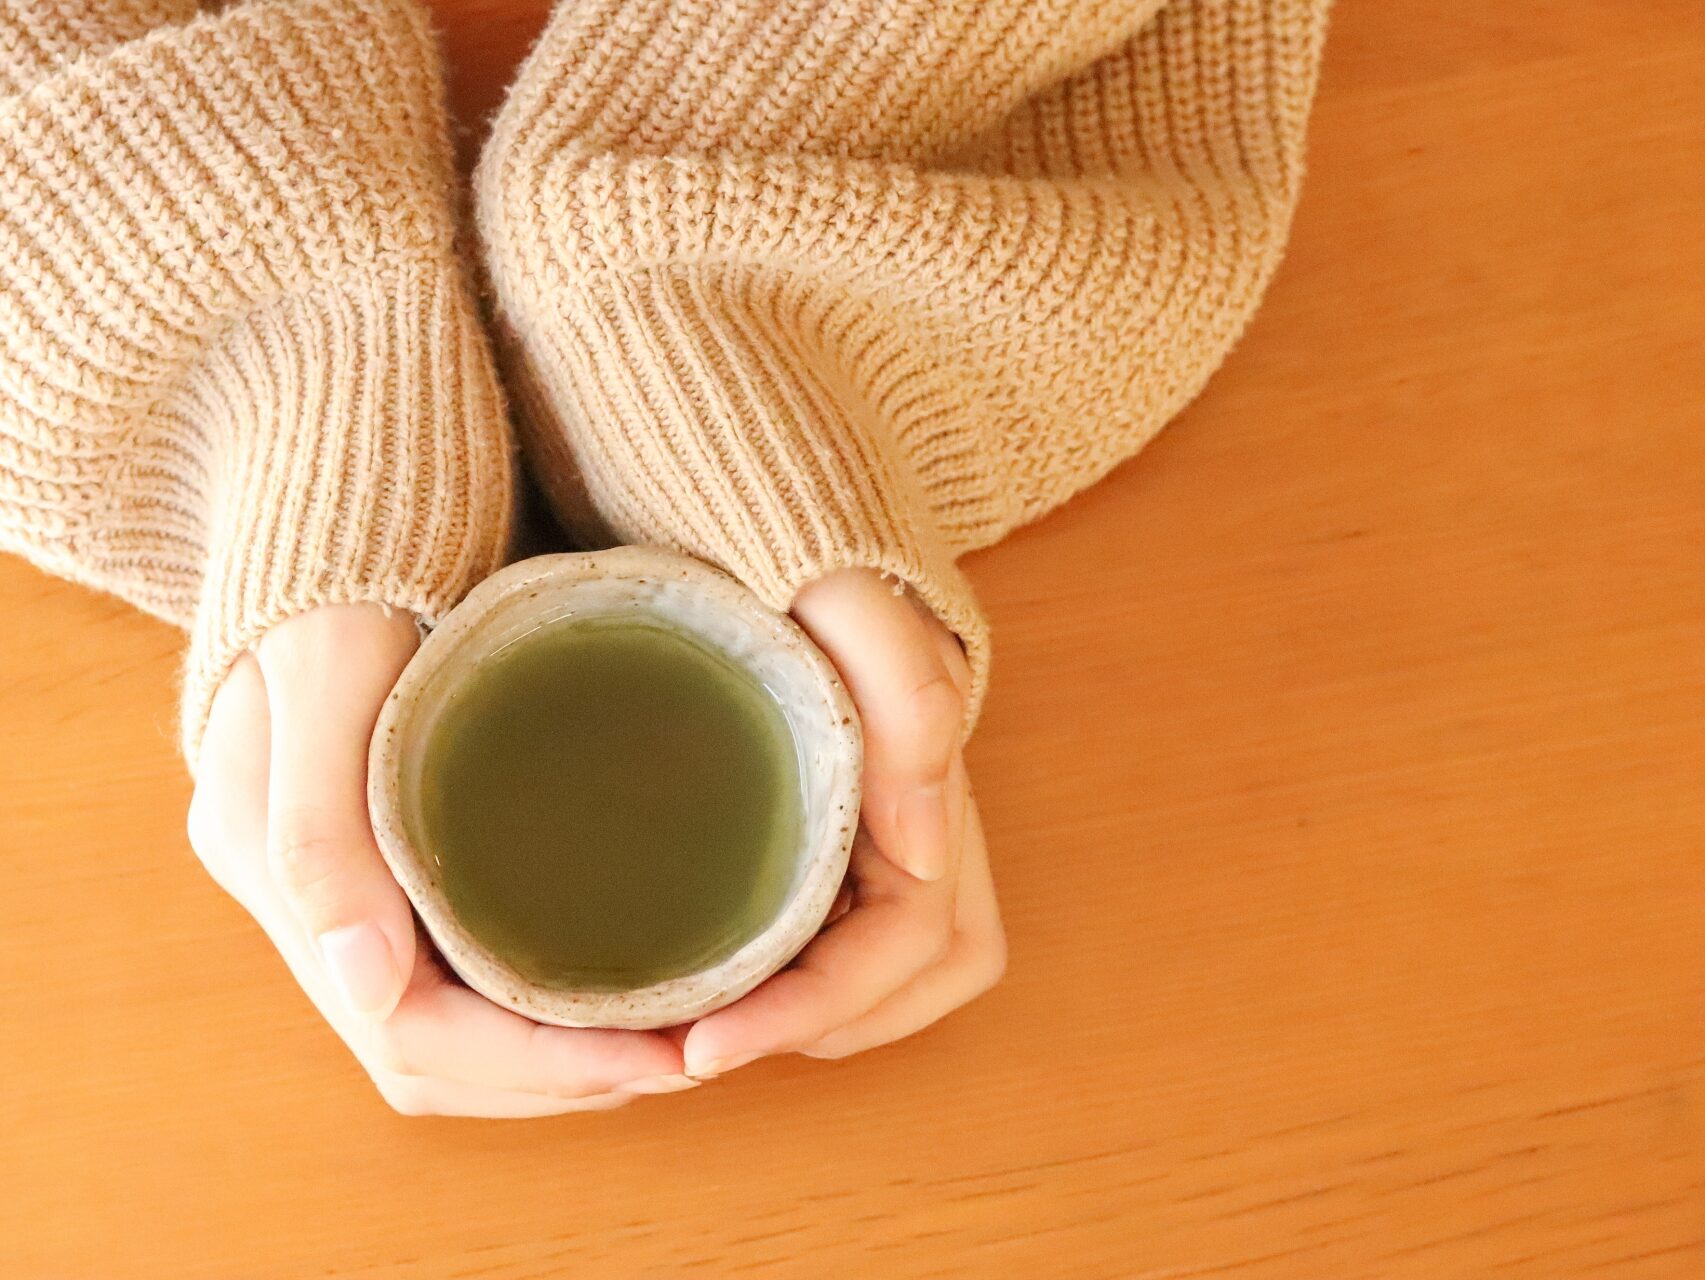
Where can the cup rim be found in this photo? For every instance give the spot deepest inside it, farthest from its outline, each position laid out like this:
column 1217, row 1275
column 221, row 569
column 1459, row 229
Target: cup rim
column 819, row 870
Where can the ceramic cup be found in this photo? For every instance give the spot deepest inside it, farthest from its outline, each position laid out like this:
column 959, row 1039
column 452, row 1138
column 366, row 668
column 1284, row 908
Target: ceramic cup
column 689, row 596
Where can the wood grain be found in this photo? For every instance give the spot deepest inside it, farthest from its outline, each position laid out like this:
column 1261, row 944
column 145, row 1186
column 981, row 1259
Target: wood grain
column 1345, row 772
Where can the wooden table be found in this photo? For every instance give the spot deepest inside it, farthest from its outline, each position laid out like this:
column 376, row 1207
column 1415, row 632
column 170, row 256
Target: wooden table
column 1345, row 773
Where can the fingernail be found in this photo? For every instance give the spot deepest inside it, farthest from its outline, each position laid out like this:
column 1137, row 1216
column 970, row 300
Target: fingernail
column 923, row 832
column 721, row 1066
column 359, row 960
column 660, row 1084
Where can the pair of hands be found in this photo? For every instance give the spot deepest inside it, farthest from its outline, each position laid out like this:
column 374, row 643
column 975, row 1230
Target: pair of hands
column 279, row 818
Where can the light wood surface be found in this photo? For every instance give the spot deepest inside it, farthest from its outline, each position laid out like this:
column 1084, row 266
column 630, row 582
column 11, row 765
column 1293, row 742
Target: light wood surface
column 1344, row 771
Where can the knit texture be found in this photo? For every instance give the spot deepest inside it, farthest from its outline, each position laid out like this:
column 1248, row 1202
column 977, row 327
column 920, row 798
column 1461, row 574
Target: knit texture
column 241, row 371
column 40, row 37
column 792, row 285
column 796, row 285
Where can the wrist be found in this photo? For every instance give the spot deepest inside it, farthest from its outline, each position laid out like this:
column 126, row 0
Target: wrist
column 336, row 487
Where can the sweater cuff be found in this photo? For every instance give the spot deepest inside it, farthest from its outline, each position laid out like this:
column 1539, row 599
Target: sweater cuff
column 354, row 442
column 655, row 412
column 241, row 373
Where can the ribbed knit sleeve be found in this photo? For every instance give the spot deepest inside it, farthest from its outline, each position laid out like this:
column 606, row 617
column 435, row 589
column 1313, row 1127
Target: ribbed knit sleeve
column 802, row 284
column 241, row 371
column 40, row 37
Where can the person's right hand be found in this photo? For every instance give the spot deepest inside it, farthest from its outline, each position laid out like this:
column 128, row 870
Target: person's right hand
column 280, row 819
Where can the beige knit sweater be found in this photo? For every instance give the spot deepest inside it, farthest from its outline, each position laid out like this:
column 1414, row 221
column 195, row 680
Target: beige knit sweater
column 789, row 284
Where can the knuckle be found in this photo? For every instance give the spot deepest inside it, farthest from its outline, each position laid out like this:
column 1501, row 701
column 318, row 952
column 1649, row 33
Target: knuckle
column 831, row 1048
column 404, row 1096
column 943, row 931
column 304, row 859
column 386, row 1053
column 211, row 842
column 540, row 1062
column 937, row 946
column 201, row 824
column 206, row 838
column 927, row 929
column 295, row 650
column 602, row 1102
column 936, row 713
column 987, row 963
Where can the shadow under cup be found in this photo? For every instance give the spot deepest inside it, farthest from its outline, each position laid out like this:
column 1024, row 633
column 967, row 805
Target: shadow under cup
column 732, row 631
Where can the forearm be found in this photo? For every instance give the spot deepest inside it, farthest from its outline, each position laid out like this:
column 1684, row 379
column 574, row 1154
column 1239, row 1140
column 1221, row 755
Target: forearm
column 241, row 373
column 801, row 286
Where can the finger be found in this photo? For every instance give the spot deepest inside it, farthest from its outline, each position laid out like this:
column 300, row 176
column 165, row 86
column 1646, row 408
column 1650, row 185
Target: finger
column 327, row 672
column 975, row 962
column 243, row 797
column 412, row 1096
column 227, row 812
column 445, row 1031
column 228, row 826
column 443, row 1037
column 948, row 646
column 913, row 712
column 441, row 1031
column 841, row 905
column 897, row 928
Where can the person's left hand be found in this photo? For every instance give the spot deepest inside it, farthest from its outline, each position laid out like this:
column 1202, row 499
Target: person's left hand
column 921, row 932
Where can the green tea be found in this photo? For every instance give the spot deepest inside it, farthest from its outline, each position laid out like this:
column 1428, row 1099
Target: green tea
column 611, row 803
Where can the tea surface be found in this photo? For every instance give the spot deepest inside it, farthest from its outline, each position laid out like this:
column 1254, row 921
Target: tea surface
column 611, row 803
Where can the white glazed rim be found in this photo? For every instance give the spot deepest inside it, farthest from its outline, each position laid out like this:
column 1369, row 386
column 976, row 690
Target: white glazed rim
column 821, row 863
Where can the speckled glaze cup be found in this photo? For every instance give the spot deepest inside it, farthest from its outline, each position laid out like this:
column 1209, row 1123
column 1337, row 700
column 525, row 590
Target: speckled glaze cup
column 689, row 596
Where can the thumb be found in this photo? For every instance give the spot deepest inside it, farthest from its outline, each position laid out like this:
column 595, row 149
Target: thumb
column 897, row 662
column 327, row 673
